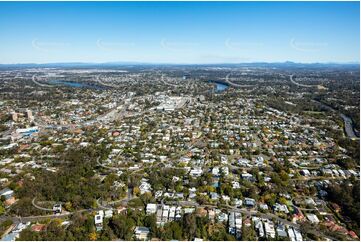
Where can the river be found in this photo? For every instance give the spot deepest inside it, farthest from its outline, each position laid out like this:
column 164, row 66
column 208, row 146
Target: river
column 350, row 132
column 75, row 84
column 220, row 87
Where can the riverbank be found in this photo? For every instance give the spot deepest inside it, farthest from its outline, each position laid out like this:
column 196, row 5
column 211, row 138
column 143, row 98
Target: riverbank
column 220, row 86
column 348, row 123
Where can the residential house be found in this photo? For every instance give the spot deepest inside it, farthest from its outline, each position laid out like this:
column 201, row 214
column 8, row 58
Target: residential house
column 141, row 233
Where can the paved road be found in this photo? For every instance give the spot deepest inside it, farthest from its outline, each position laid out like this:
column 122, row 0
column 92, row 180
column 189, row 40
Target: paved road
column 245, row 211
column 18, row 219
column 99, row 80
column 299, row 84
column 38, row 83
column 183, row 203
column 38, row 207
column 168, row 83
column 235, row 84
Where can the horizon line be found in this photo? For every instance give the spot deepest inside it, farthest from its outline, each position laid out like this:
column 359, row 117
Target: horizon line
column 179, row 63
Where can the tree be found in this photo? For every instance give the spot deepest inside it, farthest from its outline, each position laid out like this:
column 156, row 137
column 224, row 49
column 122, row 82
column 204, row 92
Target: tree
column 190, row 226
column 150, row 221
column 248, row 233
column 177, row 231
column 122, row 227
column 54, row 231
column 218, row 232
column 5, row 225
column 284, row 176
column 2, row 208
column 107, row 233
column 93, row 236
column 68, row 206
column 136, row 191
column 28, row 235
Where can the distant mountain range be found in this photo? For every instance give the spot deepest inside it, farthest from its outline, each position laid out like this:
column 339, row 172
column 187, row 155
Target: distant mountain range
column 287, row 64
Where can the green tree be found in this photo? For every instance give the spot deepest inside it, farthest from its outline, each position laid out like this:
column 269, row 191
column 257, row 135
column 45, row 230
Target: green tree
column 189, row 226
column 150, row 221
column 122, row 227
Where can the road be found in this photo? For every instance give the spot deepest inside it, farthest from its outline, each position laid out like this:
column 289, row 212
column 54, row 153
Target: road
column 235, row 84
column 38, row 207
column 40, row 84
column 167, row 83
column 18, row 219
column 245, row 211
column 98, row 79
column 299, row 84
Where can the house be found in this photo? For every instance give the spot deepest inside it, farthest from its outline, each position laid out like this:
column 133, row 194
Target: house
column 280, row 208
column 258, row 226
column 141, row 233
column 121, row 209
column 297, row 234
column 215, row 171
column 244, row 162
column 247, row 222
column 172, row 212
column 57, row 208
column 263, row 206
column 249, row 202
column 196, row 172
column 235, row 185
column 231, row 223
column 297, row 214
column 145, row 187
column 310, row 201
column 225, row 170
column 8, row 195
column 158, row 194
column 269, row 229
column 291, row 234
column 222, row 217
column 327, row 172
column 98, row 220
column 237, row 202
column 267, row 178
column 305, row 172
column 248, row 177
column 108, row 213
column 259, row 161
column 214, row 196
column 165, row 213
column 226, row 198
column 281, row 230
column 38, row 227
column 238, row 219
column 20, row 227
column 151, row 208
column 313, row 218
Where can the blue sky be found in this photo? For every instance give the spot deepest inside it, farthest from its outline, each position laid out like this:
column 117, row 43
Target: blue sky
column 179, row 32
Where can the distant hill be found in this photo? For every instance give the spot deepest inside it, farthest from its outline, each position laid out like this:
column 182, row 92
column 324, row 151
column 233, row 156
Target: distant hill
column 287, row 64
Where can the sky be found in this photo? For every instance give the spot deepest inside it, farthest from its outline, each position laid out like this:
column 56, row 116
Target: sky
column 179, row 32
